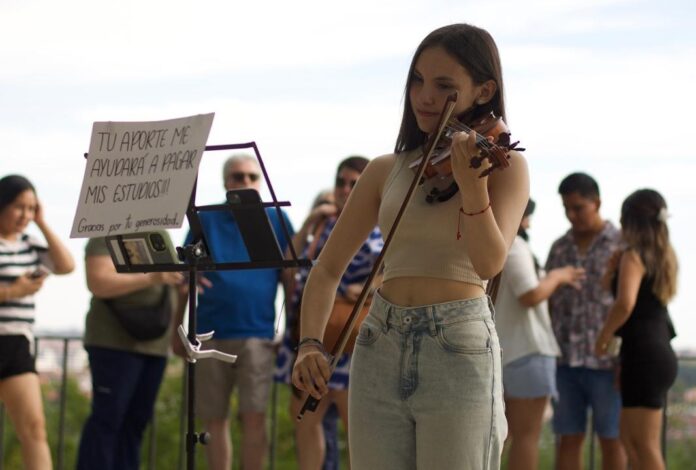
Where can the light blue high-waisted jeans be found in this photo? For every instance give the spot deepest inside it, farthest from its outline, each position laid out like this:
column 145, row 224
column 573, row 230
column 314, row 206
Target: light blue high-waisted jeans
column 426, row 389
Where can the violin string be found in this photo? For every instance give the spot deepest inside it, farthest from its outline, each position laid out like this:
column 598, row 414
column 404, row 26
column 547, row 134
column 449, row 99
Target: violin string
column 456, row 125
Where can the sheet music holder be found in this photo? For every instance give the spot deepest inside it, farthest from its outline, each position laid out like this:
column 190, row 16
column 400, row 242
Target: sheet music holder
column 262, row 246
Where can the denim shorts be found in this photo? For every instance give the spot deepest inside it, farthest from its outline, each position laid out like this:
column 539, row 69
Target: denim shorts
column 426, row 388
column 531, row 376
column 580, row 389
column 252, row 372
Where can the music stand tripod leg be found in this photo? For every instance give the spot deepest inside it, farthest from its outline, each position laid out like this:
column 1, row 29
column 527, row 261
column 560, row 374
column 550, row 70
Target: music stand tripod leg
column 192, row 344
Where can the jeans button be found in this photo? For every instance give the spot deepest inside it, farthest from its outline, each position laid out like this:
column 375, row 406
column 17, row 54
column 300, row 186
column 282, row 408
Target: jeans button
column 407, row 320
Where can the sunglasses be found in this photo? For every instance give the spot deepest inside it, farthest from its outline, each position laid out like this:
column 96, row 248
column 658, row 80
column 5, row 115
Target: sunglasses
column 341, row 182
column 240, row 176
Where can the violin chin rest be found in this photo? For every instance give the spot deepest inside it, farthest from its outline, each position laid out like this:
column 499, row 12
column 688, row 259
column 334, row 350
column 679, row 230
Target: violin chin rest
column 439, row 192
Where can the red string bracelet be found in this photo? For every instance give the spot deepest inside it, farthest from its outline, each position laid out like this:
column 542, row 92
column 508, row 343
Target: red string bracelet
column 475, row 213
column 470, row 214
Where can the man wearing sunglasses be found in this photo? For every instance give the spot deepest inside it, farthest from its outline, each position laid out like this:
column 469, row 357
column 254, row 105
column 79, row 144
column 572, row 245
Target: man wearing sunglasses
column 240, row 307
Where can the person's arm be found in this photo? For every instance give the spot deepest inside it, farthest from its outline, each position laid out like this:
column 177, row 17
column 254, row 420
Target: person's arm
column 356, row 222
column 23, row 286
column 62, row 260
column 105, row 282
column 631, row 272
column 553, row 280
column 322, row 211
column 610, row 271
column 353, row 291
column 489, row 231
column 520, row 274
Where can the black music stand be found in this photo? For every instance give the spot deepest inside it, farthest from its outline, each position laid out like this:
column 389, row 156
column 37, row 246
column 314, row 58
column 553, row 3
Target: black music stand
column 264, row 252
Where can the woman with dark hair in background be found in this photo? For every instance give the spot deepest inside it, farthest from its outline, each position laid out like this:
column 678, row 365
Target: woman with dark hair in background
column 644, row 280
column 309, row 241
column 425, row 389
column 24, row 264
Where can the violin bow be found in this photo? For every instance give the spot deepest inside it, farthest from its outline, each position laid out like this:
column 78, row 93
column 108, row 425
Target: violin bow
column 311, row 403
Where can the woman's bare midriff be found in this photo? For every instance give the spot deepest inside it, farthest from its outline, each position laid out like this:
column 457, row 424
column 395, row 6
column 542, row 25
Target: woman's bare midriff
column 415, row 291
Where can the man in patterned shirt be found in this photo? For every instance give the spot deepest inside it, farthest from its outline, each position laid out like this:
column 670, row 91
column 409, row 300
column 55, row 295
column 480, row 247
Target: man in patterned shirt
column 584, row 380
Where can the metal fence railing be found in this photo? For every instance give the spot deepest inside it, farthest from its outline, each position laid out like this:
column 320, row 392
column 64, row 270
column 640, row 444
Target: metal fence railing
column 61, row 358
column 60, row 372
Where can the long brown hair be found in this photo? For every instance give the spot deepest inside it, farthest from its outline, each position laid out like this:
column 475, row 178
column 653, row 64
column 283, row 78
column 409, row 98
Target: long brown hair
column 644, row 227
column 476, row 51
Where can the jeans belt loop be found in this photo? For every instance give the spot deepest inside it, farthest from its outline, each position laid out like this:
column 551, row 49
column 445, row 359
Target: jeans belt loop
column 491, row 307
column 387, row 317
column 432, row 326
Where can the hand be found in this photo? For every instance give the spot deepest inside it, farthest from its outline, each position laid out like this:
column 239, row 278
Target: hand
column 570, row 275
column 353, row 292
column 322, row 211
column 203, row 283
column 39, row 215
column 311, row 371
column 464, row 149
column 177, row 346
column 25, row 285
column 169, row 278
column 602, row 343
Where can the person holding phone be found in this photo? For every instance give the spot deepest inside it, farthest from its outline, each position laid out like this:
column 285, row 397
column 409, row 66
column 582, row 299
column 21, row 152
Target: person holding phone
column 126, row 371
column 24, row 264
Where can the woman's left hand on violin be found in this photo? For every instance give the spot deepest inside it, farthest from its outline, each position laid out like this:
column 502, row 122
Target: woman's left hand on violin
column 468, row 168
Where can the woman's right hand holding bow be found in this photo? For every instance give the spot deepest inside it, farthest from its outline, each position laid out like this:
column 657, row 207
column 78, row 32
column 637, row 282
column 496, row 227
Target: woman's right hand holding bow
column 311, row 372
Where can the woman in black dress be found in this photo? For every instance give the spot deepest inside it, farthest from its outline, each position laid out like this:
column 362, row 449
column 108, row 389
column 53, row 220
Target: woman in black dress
column 644, row 280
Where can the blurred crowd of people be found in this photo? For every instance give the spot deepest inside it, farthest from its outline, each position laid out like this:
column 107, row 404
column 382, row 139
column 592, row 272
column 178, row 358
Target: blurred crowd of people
column 430, row 382
column 590, row 331
column 587, row 331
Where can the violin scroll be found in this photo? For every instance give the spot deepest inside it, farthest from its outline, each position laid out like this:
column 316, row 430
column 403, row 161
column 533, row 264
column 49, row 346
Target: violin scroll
column 493, row 139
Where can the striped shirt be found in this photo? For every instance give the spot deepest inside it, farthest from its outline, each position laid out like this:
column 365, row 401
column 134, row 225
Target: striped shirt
column 359, row 268
column 17, row 258
column 357, row 272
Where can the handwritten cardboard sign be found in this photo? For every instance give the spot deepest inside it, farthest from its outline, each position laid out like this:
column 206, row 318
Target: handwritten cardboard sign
column 139, row 175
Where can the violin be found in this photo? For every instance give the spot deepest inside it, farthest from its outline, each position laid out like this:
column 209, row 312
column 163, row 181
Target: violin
column 492, row 138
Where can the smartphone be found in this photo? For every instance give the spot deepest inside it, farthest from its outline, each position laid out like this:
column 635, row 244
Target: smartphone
column 141, row 248
column 39, row 272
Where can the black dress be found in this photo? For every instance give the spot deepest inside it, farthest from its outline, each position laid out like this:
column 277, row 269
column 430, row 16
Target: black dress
column 648, row 363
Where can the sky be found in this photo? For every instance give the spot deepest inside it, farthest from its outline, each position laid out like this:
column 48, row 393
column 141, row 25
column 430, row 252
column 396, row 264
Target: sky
column 600, row 86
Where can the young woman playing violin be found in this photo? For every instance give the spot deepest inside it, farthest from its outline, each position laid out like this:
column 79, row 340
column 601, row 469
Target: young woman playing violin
column 426, row 374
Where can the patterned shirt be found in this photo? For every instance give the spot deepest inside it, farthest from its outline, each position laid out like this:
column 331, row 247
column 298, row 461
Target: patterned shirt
column 578, row 315
column 357, row 272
